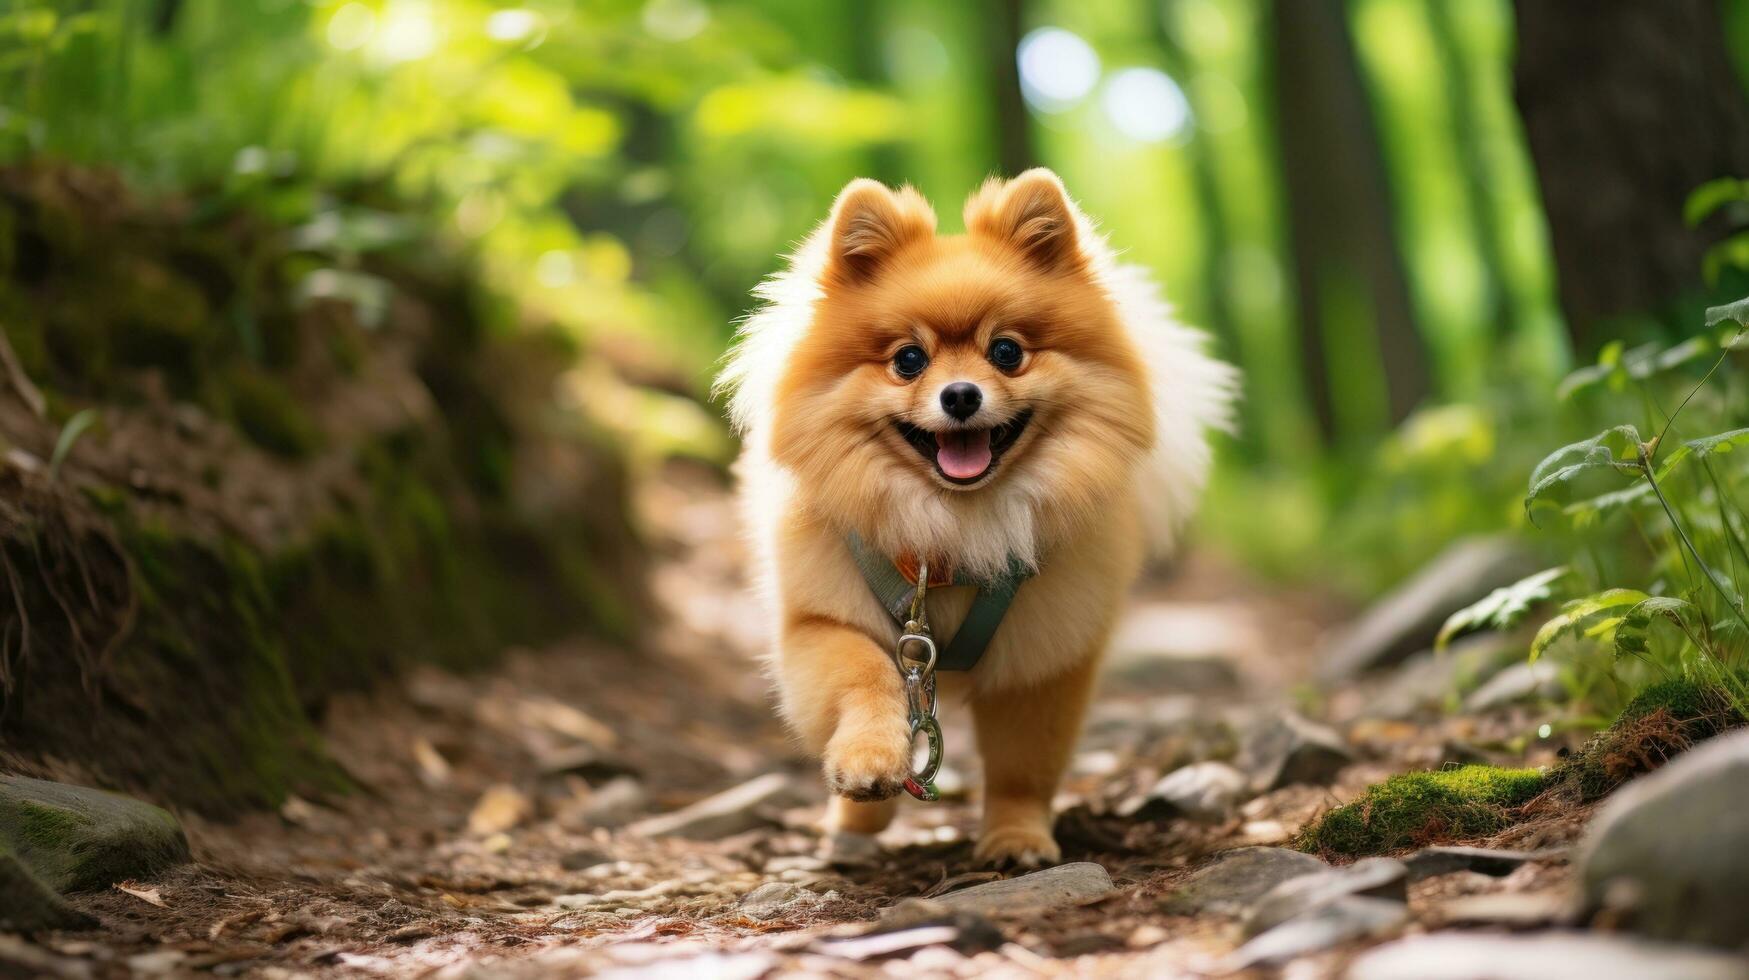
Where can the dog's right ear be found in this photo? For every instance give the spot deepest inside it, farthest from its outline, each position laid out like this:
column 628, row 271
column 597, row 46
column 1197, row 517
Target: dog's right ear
column 870, row 224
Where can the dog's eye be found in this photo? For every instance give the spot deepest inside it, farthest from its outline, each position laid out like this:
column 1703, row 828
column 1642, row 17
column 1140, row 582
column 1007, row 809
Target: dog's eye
column 910, row 361
column 1005, row 354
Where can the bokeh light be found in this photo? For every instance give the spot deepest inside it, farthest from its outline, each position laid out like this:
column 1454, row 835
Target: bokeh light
column 1057, row 68
column 1145, row 104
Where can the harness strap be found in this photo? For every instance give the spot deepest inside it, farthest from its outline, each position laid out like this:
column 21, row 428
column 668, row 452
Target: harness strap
column 894, row 591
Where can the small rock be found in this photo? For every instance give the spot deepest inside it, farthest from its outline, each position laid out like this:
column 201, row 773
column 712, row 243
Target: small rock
column 1515, row 910
column 845, row 849
column 588, row 761
column 1348, row 917
column 1431, row 862
column 1547, row 956
column 73, row 838
column 582, row 858
column 717, row 966
column 1408, row 618
column 770, row 900
column 1287, row 749
column 1059, row 887
column 1669, row 853
column 1519, row 682
column 1206, row 791
column 1430, row 681
column 1384, row 878
column 916, row 924
column 615, row 803
column 1239, row 877
column 732, row 811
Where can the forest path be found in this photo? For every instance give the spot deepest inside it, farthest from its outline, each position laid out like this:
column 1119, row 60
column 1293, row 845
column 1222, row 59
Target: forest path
column 496, row 831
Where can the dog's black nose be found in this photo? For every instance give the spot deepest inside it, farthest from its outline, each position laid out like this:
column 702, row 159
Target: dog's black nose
column 961, row 399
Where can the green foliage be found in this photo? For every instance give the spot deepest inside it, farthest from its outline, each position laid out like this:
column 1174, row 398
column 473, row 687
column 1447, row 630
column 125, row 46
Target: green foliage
column 1502, row 608
column 1420, row 808
column 70, row 433
column 1676, row 533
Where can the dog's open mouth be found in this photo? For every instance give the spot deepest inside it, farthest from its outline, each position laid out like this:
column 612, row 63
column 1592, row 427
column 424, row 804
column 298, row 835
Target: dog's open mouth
column 964, row 456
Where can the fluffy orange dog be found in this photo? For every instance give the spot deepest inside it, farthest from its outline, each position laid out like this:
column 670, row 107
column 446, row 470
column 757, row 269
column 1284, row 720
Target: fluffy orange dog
column 1007, row 395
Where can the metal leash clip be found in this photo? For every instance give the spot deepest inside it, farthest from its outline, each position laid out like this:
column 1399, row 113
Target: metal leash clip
column 919, row 676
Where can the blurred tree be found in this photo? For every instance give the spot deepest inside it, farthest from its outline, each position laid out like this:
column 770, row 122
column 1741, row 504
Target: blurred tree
column 1473, row 163
column 1014, row 146
column 1628, row 106
column 1347, row 269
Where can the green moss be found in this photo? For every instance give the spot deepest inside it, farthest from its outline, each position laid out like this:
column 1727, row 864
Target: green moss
column 1663, row 720
column 1418, row 808
column 270, row 416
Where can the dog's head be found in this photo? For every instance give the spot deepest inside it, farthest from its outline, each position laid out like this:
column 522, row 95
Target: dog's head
column 950, row 388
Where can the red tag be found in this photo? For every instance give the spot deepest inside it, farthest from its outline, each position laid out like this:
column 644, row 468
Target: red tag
column 940, row 572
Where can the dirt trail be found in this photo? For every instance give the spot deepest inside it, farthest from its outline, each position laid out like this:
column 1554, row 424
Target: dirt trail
column 490, row 836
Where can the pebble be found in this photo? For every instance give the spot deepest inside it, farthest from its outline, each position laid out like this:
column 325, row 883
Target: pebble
column 1239, row 877
column 1520, row 682
column 1345, row 918
column 1287, row 749
column 1062, row 886
column 772, row 899
column 730, row 812
column 1205, row 791
column 1381, row 878
column 1434, row 861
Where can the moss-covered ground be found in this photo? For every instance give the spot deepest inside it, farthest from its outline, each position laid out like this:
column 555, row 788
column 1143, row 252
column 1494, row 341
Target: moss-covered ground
column 1475, row 801
column 281, row 498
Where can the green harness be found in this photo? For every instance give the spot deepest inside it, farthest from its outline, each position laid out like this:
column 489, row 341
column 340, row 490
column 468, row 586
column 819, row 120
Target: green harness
column 969, row 642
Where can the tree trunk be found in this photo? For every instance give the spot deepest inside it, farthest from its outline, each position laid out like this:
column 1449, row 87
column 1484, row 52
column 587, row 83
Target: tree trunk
column 1012, row 123
column 1348, row 274
column 1628, row 107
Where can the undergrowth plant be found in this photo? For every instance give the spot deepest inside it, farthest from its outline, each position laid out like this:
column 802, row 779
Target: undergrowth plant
column 1658, row 522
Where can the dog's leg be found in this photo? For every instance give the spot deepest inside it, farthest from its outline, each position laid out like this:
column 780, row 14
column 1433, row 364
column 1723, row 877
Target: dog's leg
column 847, row 816
column 1025, row 736
column 845, row 698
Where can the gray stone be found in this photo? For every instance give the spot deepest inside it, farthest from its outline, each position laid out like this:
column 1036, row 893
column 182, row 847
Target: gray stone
column 73, row 838
column 1546, row 956
column 1239, row 878
column 1178, row 646
column 1434, row 861
column 847, row 849
column 1522, row 681
column 1430, row 681
column 1514, row 910
column 1287, row 749
column 1348, row 917
column 1206, row 791
column 733, row 811
column 26, row 904
column 1059, row 887
column 915, row 923
column 1383, row 878
column 615, row 803
column 773, row 898
column 1408, row 618
column 1669, row 853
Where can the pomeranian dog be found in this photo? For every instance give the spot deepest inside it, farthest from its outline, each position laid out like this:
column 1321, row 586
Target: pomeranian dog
column 1007, row 398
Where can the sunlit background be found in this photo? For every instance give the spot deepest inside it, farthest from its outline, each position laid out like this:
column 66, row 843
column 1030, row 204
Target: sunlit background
column 629, row 170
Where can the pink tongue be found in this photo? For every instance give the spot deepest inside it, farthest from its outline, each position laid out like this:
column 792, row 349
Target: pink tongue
column 963, row 455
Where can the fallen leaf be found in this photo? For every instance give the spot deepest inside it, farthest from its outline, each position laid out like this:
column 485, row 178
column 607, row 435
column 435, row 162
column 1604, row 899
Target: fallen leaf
column 568, row 721
column 141, row 892
column 433, row 767
column 499, row 809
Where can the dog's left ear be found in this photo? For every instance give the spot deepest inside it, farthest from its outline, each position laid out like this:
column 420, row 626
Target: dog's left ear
column 870, row 224
column 1031, row 212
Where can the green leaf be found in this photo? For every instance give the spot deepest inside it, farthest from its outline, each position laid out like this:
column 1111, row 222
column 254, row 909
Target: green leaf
column 1576, row 458
column 1722, row 442
column 1592, row 509
column 1501, row 608
column 70, row 434
column 1711, row 196
column 1737, row 312
column 1631, row 635
column 1574, row 616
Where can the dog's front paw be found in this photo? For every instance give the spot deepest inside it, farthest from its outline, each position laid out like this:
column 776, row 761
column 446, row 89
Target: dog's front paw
column 868, row 763
column 1024, row 846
